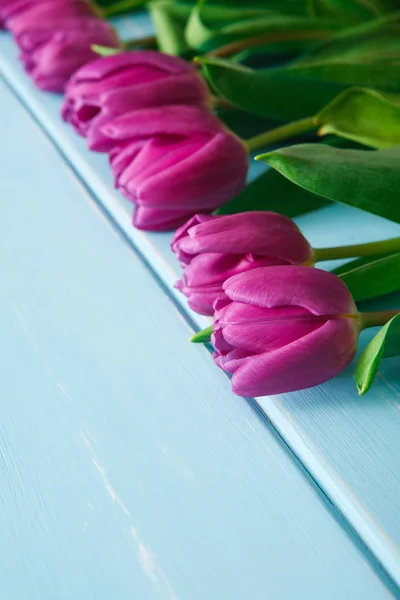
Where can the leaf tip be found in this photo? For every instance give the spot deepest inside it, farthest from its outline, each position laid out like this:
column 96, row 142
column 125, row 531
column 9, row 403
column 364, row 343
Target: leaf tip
column 263, row 157
column 362, row 387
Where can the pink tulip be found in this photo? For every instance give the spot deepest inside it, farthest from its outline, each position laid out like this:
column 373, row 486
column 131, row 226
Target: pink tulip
column 172, row 162
column 213, row 248
column 26, row 15
column 281, row 329
column 114, row 85
column 27, row 9
column 51, row 55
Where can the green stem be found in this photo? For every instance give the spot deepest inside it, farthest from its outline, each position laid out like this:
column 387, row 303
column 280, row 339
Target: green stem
column 375, row 319
column 203, row 336
column 150, row 40
column 280, row 133
column 120, row 7
column 381, row 247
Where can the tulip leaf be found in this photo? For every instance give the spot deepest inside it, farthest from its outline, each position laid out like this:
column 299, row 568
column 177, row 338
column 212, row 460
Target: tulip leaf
column 112, row 8
column 291, row 93
column 385, row 344
column 366, row 179
column 355, row 263
column 213, row 25
column 105, row 50
column 270, row 191
column 374, row 41
column 203, row 336
column 374, row 278
column 362, row 56
column 346, row 11
column 170, row 18
column 280, row 94
column 363, row 115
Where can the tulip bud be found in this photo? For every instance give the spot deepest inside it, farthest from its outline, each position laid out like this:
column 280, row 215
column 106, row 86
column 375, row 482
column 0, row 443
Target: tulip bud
column 114, row 85
column 213, row 248
column 50, row 56
column 281, row 329
column 174, row 161
column 30, row 15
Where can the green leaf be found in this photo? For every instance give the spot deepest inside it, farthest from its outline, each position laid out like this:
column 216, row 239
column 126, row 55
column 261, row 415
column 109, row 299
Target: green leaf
column 203, row 336
column 374, row 41
column 347, row 11
column 214, row 25
column 170, row 18
column 384, row 345
column 362, row 56
column 355, row 263
column 270, row 191
column 363, row 115
column 366, row 179
column 288, row 94
column 281, row 94
column 112, row 8
column 373, row 278
column 105, row 50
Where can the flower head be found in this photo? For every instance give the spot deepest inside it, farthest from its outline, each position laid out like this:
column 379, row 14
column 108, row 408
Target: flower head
column 114, row 85
column 281, row 329
column 213, row 248
column 51, row 56
column 173, row 162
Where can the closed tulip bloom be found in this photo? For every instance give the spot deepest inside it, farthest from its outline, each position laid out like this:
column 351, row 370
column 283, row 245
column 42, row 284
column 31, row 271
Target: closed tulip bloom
column 8, row 8
column 281, row 329
column 114, row 85
column 213, row 248
column 28, row 10
column 51, row 56
column 26, row 15
column 173, row 162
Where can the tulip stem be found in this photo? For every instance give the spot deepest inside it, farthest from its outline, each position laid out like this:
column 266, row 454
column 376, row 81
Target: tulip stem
column 280, row 133
column 375, row 319
column 120, row 7
column 150, row 40
column 266, row 38
column 203, row 336
column 380, row 247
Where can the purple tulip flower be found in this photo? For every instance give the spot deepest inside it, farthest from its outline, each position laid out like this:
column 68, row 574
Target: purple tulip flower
column 27, row 12
column 29, row 15
column 173, row 162
column 281, row 329
column 51, row 55
column 213, row 248
column 114, row 85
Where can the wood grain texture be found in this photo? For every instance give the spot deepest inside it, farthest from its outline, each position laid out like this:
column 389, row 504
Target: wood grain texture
column 127, row 468
column 331, row 430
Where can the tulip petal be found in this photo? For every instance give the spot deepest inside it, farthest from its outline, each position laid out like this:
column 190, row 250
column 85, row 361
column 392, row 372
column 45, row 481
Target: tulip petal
column 108, row 65
column 166, row 120
column 259, row 330
column 306, row 362
column 265, row 233
column 320, row 292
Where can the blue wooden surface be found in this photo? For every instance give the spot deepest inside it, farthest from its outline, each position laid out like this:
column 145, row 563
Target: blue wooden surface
column 350, row 446
column 128, row 469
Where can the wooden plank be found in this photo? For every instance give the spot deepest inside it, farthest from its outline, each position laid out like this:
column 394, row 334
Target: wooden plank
column 127, row 468
column 331, row 431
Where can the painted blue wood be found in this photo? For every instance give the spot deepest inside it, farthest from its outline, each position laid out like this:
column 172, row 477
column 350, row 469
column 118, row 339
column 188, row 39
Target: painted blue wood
column 350, row 446
column 127, row 468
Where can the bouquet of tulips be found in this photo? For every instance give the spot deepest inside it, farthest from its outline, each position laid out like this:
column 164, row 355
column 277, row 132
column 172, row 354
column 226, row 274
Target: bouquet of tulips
column 171, row 110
